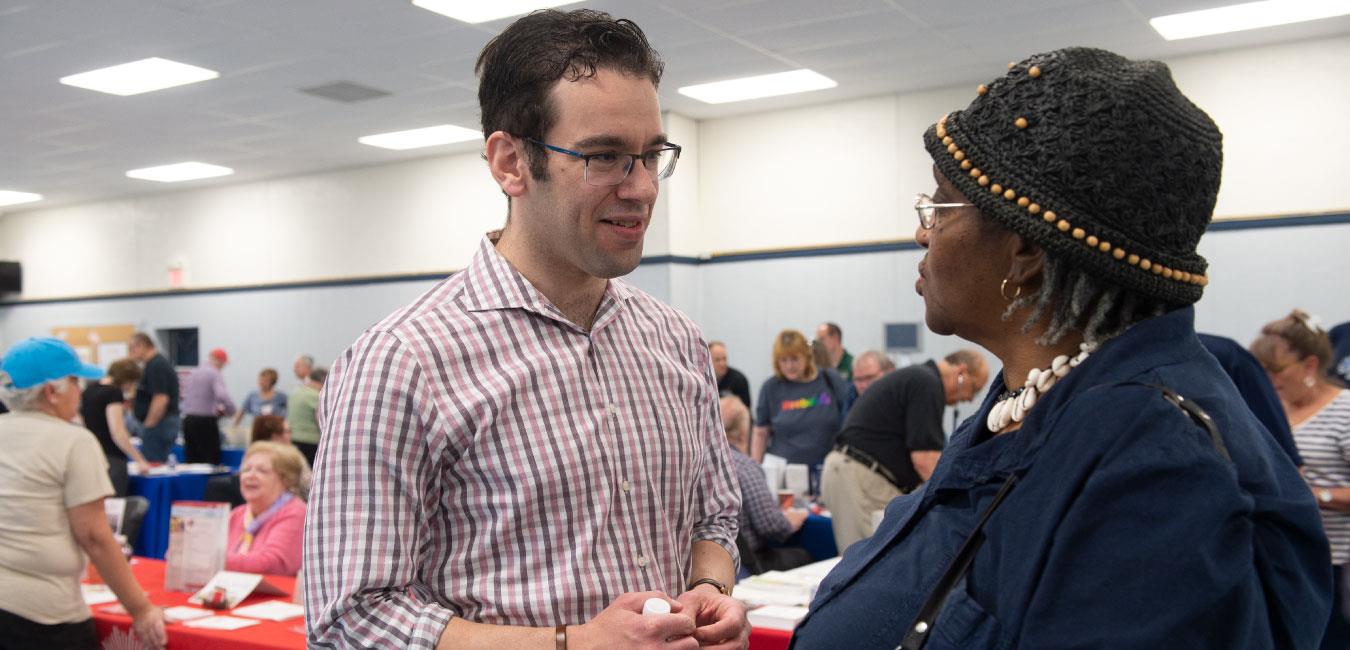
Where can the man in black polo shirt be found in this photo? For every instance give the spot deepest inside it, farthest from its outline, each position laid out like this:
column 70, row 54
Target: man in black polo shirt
column 156, row 404
column 892, row 439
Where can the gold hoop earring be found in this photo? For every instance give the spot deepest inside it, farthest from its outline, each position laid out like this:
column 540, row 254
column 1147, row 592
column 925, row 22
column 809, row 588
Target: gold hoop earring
column 1003, row 291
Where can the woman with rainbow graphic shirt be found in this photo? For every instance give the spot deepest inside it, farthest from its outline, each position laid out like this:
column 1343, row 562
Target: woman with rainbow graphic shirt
column 800, row 407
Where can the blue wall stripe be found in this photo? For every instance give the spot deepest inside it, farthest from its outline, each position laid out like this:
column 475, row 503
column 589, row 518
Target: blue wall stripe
column 1281, row 222
column 1292, row 221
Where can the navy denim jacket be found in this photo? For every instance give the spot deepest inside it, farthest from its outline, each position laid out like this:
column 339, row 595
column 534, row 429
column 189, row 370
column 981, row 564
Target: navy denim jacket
column 1127, row 528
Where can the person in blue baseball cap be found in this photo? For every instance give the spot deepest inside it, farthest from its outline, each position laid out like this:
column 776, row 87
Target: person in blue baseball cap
column 53, row 479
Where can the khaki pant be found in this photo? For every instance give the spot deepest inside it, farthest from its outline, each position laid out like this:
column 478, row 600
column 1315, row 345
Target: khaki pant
column 853, row 493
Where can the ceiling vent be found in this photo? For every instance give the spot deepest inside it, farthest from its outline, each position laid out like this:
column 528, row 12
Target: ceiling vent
column 344, row 91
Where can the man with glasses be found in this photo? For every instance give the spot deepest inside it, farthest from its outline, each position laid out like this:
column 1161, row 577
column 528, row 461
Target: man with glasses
column 892, row 439
column 530, row 451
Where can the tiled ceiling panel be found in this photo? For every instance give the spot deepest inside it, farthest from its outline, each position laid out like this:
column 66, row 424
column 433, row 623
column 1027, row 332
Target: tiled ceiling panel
column 74, row 145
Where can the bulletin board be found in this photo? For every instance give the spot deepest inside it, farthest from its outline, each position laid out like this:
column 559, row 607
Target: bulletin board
column 98, row 344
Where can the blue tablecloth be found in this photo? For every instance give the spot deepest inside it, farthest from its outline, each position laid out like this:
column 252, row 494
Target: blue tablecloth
column 231, row 457
column 816, row 536
column 162, row 491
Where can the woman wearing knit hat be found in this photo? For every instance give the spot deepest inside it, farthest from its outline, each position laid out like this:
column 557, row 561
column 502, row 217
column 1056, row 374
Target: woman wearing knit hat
column 1087, row 503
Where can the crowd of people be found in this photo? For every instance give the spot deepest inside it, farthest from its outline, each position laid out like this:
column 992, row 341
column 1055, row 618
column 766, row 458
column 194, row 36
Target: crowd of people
column 534, row 449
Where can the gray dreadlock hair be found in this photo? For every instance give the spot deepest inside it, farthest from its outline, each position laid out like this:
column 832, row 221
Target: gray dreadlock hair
column 1080, row 302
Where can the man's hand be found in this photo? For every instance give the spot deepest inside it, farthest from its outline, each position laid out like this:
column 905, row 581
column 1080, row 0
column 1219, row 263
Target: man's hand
column 622, row 625
column 721, row 619
column 796, row 517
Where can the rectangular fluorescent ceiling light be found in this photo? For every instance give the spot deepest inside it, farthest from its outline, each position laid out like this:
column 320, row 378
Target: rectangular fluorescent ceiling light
column 10, row 197
column 178, row 172
column 140, row 77
column 1251, row 15
column 424, row 137
column 481, row 11
column 768, row 85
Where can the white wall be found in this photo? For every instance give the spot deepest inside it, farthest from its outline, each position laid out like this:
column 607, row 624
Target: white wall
column 830, row 174
column 836, row 173
column 411, row 217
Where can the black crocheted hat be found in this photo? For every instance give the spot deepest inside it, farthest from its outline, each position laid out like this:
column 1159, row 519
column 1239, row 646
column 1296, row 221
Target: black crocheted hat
column 1099, row 159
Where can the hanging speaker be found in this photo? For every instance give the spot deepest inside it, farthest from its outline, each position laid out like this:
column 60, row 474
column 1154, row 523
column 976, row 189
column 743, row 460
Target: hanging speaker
column 11, row 277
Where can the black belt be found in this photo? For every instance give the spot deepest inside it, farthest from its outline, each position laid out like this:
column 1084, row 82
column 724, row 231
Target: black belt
column 871, row 463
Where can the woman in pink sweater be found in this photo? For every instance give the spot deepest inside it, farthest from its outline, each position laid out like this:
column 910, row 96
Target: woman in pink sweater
column 265, row 532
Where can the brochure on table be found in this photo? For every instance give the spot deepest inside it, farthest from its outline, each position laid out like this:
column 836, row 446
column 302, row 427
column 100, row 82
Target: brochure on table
column 197, row 538
column 235, row 587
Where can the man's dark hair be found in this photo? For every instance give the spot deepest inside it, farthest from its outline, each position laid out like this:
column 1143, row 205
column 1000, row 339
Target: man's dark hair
column 318, row 375
column 142, row 339
column 517, row 69
column 833, row 329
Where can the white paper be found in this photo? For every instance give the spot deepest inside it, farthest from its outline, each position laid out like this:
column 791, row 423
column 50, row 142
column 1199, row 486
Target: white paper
column 184, row 613
column 222, row 622
column 110, row 352
column 237, row 587
column 272, row 610
column 756, row 595
column 196, row 468
column 115, row 508
column 774, row 467
column 776, row 617
column 197, row 538
column 797, row 477
column 816, row 570
column 97, row 594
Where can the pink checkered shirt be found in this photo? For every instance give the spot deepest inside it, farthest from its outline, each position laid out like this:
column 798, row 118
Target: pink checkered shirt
column 484, row 457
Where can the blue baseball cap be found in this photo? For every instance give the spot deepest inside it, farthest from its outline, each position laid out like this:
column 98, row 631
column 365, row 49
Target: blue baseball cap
column 37, row 360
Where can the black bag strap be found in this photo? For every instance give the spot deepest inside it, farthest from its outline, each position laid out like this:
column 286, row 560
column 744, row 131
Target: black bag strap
column 1200, row 417
column 917, row 634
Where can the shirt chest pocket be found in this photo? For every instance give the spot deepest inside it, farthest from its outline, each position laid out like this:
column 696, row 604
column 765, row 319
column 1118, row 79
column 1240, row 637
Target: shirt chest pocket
column 963, row 623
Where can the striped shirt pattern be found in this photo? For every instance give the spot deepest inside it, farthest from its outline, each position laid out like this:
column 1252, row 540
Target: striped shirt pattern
column 483, row 457
column 1324, row 442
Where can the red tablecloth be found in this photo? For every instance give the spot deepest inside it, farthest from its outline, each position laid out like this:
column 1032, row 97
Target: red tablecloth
column 764, row 639
column 270, row 634
column 266, row 634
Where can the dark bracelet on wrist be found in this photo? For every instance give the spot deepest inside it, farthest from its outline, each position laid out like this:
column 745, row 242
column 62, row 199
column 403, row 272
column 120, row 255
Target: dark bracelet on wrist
column 721, row 588
column 560, row 637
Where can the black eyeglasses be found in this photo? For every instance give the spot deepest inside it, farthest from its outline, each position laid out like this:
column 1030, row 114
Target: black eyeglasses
column 609, row 168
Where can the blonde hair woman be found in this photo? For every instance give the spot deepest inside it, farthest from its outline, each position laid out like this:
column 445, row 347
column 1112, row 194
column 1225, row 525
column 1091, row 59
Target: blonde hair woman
column 265, row 532
column 800, row 406
column 1297, row 355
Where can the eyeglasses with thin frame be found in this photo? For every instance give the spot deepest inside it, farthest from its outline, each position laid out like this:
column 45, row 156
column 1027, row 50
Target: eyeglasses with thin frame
column 608, row 168
column 927, row 210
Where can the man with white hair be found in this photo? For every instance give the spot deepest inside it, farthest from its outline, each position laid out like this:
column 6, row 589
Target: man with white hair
column 304, row 364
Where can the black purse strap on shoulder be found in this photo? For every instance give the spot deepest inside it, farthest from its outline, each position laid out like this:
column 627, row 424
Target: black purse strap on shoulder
column 917, row 634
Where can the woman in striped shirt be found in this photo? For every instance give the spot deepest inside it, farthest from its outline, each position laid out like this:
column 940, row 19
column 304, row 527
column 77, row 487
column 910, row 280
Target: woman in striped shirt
column 1296, row 353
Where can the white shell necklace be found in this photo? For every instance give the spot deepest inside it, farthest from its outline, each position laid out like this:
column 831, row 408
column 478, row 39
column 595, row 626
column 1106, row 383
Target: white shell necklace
column 1014, row 405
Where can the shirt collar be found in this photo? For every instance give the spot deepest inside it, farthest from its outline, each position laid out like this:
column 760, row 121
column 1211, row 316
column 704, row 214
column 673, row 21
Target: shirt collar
column 491, row 284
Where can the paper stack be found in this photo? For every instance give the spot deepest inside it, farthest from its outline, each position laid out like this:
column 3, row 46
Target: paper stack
column 776, row 588
column 776, row 617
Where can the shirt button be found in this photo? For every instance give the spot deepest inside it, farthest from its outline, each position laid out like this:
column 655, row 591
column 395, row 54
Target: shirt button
column 642, row 560
column 612, row 408
column 626, row 486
